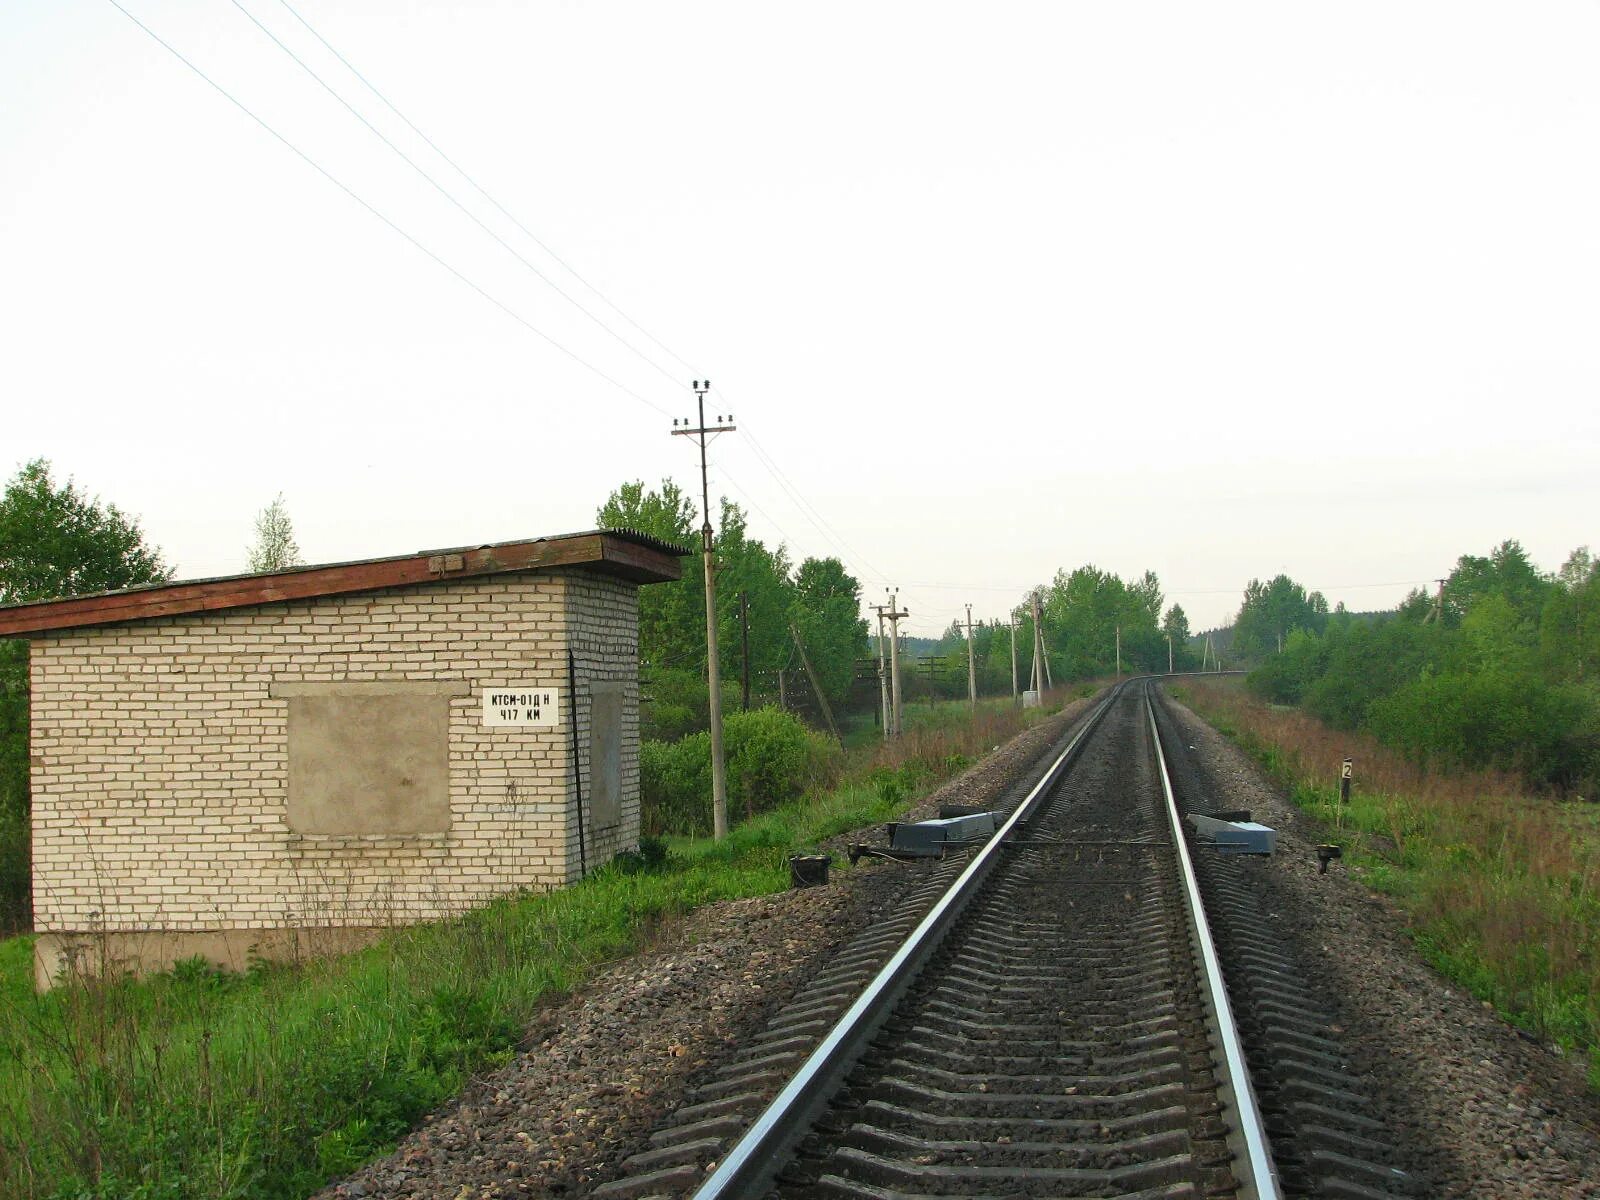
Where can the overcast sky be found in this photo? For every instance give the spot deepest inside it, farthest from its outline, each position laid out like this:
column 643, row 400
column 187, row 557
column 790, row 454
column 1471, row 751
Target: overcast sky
column 1216, row 290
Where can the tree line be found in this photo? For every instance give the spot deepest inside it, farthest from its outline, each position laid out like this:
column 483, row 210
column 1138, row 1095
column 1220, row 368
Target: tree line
column 1499, row 668
column 762, row 598
column 1083, row 613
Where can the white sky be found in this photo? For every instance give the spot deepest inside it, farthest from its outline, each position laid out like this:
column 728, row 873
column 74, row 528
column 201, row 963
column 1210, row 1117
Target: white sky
column 1217, row 290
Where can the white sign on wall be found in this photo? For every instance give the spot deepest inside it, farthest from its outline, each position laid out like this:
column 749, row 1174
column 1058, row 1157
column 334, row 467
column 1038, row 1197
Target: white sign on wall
column 524, row 705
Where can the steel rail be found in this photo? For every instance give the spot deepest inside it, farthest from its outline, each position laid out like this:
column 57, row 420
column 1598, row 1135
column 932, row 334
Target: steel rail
column 751, row 1165
column 1251, row 1130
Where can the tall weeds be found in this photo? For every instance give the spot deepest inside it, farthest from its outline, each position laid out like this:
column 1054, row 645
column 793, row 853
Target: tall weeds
column 1500, row 885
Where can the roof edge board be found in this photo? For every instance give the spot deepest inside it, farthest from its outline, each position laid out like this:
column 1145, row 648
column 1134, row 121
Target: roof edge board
column 636, row 557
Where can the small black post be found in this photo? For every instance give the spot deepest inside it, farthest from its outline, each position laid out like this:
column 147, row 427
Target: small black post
column 577, row 773
column 744, row 633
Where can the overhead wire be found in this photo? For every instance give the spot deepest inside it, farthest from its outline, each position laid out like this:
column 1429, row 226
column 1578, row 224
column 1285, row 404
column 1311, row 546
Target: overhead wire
column 763, row 456
column 480, row 189
column 752, row 501
column 448, row 195
column 767, row 460
column 805, row 507
column 347, row 190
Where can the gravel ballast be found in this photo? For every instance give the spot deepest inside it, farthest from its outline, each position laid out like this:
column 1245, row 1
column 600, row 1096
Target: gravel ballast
column 1476, row 1109
column 605, row 1064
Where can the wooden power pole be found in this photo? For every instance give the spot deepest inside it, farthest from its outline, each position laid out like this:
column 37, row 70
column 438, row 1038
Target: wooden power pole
column 702, row 433
column 1038, row 647
column 894, row 615
column 883, row 675
column 972, row 669
column 816, row 684
column 1013, row 623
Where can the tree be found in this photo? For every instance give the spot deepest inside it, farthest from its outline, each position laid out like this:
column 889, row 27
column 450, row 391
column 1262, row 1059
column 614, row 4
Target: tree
column 55, row 541
column 275, row 548
column 1087, row 611
column 1569, row 628
column 672, row 629
column 1272, row 611
column 1506, row 572
column 827, row 611
column 1175, row 627
column 745, row 565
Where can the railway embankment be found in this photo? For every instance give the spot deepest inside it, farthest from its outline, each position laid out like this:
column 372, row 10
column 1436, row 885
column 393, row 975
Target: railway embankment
column 1498, row 884
column 1469, row 1106
column 1481, row 1106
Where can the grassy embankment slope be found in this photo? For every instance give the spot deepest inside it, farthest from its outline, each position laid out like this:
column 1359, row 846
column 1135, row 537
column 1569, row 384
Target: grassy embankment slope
column 1502, row 887
column 199, row 1084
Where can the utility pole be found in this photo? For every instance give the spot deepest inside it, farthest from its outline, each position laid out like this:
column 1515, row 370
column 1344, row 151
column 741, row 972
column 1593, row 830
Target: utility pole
column 894, row 615
column 719, row 769
column 883, row 674
column 1436, row 613
column 1169, row 654
column 1119, row 651
column 816, row 684
column 972, row 668
column 744, row 636
column 1039, row 666
column 1013, row 624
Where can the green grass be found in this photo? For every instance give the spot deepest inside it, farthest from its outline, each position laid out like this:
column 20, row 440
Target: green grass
column 199, row 1083
column 16, row 970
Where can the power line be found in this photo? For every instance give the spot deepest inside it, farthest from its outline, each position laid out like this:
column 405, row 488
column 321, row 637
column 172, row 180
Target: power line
column 326, row 174
column 810, row 512
column 481, row 190
column 445, row 192
column 806, row 508
column 733, row 483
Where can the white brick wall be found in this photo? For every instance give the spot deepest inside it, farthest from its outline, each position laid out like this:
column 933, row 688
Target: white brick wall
column 603, row 615
column 160, row 759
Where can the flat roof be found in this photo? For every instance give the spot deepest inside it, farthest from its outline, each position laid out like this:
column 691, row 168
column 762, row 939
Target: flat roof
column 622, row 553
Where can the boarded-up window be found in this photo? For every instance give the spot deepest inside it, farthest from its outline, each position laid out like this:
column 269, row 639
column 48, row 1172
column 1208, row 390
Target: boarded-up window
column 605, row 753
column 369, row 758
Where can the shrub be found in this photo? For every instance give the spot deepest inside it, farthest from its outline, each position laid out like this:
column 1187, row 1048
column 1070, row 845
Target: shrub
column 772, row 758
column 675, row 704
column 675, row 785
column 1501, row 719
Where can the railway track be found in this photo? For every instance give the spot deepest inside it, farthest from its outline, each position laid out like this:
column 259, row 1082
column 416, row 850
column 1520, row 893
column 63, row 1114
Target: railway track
column 1047, row 1016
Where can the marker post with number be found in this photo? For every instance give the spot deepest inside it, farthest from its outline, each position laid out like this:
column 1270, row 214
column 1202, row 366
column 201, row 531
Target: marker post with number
column 1347, row 771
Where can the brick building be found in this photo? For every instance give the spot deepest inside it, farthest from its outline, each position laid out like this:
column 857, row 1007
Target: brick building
column 282, row 763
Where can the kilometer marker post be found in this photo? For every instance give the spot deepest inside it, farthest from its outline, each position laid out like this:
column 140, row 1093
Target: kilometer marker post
column 1347, row 771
